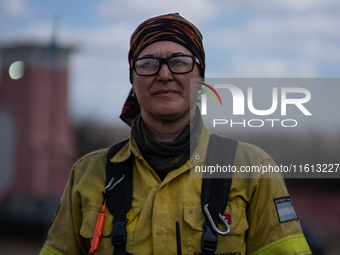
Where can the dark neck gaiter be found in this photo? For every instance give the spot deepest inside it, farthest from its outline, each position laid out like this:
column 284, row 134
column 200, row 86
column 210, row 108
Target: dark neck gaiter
column 164, row 157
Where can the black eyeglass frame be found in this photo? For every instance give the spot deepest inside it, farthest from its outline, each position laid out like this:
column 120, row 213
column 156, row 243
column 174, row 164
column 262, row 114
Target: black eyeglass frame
column 166, row 61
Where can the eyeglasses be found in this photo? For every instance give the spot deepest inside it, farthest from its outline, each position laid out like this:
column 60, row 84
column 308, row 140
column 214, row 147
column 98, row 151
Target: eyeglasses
column 177, row 64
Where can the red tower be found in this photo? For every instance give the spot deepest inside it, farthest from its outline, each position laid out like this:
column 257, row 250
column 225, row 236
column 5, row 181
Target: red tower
column 36, row 141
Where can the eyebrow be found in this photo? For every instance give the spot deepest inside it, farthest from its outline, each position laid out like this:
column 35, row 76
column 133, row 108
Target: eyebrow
column 177, row 53
column 173, row 54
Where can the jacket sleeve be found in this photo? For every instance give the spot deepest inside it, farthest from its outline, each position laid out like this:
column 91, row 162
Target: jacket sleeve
column 271, row 230
column 63, row 237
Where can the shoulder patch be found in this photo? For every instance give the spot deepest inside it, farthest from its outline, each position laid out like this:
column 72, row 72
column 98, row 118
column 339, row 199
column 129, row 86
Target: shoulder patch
column 285, row 209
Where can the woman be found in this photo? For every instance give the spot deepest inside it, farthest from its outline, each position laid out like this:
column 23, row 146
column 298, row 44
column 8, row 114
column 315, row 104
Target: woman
column 165, row 52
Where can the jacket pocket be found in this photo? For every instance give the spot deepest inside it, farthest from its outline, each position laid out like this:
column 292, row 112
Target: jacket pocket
column 194, row 217
column 90, row 216
column 239, row 222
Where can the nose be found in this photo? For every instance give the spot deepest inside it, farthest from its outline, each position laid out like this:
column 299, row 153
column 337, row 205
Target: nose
column 164, row 73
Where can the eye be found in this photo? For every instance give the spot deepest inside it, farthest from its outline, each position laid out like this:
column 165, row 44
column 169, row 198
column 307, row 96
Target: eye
column 147, row 63
column 180, row 61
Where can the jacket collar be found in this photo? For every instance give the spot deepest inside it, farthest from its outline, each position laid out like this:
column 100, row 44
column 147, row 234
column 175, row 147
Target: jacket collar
column 197, row 158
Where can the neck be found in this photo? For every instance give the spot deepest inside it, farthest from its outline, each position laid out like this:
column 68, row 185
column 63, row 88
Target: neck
column 164, row 132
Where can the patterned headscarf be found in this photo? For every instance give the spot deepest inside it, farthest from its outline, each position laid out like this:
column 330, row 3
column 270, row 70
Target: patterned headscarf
column 169, row 27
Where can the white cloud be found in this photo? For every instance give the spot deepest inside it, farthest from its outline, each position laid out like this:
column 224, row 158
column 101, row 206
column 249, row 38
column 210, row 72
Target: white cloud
column 113, row 36
column 14, row 8
column 309, row 37
column 276, row 69
column 298, row 6
column 270, row 6
column 243, row 67
column 136, row 11
column 270, row 28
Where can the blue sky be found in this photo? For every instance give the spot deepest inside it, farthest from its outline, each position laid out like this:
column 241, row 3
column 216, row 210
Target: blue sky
column 243, row 39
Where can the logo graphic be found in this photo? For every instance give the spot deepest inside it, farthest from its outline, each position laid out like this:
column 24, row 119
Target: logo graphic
column 209, row 93
column 239, row 99
column 204, row 97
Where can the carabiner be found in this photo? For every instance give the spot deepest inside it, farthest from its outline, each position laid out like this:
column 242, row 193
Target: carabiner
column 111, row 185
column 213, row 224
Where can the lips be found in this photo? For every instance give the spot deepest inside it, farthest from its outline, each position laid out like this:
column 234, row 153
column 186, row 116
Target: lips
column 165, row 92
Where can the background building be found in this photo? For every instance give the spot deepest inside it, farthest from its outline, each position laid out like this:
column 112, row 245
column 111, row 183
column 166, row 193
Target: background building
column 37, row 148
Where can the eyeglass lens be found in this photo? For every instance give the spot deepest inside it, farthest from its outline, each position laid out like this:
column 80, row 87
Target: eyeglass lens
column 176, row 64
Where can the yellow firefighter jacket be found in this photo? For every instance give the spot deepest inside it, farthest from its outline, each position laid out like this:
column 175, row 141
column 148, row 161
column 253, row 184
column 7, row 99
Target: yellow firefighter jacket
column 157, row 205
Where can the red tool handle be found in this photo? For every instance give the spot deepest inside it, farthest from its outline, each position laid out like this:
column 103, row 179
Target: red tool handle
column 97, row 236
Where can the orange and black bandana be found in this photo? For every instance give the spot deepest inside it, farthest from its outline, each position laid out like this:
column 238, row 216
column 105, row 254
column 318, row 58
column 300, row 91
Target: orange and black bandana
column 169, row 27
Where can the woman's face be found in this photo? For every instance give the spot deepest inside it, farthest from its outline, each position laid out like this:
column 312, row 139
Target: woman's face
column 165, row 96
